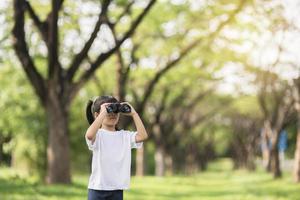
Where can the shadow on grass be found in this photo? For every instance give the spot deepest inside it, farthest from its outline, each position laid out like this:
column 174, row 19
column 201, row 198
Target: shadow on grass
column 215, row 194
column 21, row 189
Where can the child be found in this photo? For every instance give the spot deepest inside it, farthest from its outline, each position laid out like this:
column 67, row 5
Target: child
column 111, row 149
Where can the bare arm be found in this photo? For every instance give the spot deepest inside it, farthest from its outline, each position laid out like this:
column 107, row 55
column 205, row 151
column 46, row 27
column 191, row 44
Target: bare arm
column 92, row 130
column 141, row 131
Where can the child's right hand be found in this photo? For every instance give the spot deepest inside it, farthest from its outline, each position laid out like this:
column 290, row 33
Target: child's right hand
column 103, row 108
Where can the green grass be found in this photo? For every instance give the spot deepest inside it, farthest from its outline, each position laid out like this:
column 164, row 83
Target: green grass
column 218, row 183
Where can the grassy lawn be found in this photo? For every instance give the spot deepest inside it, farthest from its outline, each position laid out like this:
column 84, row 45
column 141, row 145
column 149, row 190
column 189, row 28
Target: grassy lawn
column 216, row 184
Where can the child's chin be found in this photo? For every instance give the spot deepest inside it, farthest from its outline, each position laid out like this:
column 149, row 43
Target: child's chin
column 112, row 123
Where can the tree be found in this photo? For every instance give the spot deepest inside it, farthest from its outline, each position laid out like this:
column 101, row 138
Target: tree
column 296, row 95
column 245, row 141
column 275, row 94
column 275, row 102
column 186, row 47
column 57, row 89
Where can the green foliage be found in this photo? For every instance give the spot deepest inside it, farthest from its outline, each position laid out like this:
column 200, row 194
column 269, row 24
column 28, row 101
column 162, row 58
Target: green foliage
column 22, row 119
column 247, row 105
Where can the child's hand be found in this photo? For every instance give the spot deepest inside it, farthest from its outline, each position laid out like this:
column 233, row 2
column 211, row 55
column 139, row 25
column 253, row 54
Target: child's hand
column 133, row 112
column 103, row 108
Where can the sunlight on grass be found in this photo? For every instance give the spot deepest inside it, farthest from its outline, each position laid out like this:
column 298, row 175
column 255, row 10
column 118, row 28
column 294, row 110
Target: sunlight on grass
column 219, row 182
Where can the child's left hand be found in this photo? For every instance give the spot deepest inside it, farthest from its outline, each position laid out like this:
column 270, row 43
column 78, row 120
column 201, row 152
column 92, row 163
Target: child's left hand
column 133, row 112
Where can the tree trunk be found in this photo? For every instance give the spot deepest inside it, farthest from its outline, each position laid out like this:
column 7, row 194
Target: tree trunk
column 139, row 162
column 274, row 162
column 1, row 149
column 169, row 165
column 4, row 158
column 251, row 161
column 159, row 160
column 191, row 164
column 58, row 155
column 121, row 78
column 297, row 150
column 265, row 146
column 297, row 155
column 296, row 95
column 251, row 147
column 266, row 157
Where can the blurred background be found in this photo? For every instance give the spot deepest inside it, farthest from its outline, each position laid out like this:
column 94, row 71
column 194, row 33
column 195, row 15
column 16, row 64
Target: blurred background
column 216, row 83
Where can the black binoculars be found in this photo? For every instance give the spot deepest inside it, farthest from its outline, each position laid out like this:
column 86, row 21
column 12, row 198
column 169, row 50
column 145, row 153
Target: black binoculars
column 117, row 108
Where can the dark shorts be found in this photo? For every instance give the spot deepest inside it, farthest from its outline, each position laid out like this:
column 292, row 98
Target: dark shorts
column 105, row 194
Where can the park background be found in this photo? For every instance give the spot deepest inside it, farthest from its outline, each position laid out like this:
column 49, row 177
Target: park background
column 216, row 83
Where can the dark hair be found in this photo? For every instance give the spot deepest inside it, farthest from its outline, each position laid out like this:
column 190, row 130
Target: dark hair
column 95, row 105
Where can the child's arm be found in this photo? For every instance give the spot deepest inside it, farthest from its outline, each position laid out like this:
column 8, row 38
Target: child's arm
column 92, row 130
column 141, row 131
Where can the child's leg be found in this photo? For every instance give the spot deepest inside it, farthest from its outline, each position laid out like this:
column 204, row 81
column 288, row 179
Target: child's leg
column 117, row 195
column 98, row 195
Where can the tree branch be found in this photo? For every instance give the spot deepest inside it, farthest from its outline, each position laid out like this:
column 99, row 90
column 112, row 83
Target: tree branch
column 122, row 69
column 84, row 51
column 53, row 66
column 212, row 113
column 183, row 53
column 126, row 11
column 21, row 50
column 149, row 89
column 162, row 106
column 200, row 97
column 42, row 26
column 104, row 56
column 263, row 105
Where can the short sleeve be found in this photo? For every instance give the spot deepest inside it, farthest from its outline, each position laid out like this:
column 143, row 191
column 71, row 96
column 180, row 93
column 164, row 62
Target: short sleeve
column 92, row 145
column 133, row 143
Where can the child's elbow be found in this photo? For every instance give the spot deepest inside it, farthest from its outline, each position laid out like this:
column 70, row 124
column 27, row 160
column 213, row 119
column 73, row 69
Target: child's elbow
column 89, row 137
column 141, row 137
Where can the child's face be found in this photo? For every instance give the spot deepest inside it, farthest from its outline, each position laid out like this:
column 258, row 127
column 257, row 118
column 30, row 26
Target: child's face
column 111, row 119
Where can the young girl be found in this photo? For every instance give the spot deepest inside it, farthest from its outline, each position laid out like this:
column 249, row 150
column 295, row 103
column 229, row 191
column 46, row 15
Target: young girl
column 111, row 149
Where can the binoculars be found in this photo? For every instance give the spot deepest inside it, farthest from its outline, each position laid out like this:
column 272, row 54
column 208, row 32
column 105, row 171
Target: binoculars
column 117, row 108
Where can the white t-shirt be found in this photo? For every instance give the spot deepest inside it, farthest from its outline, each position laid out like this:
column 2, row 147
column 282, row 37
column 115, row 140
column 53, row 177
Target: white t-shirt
column 111, row 159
